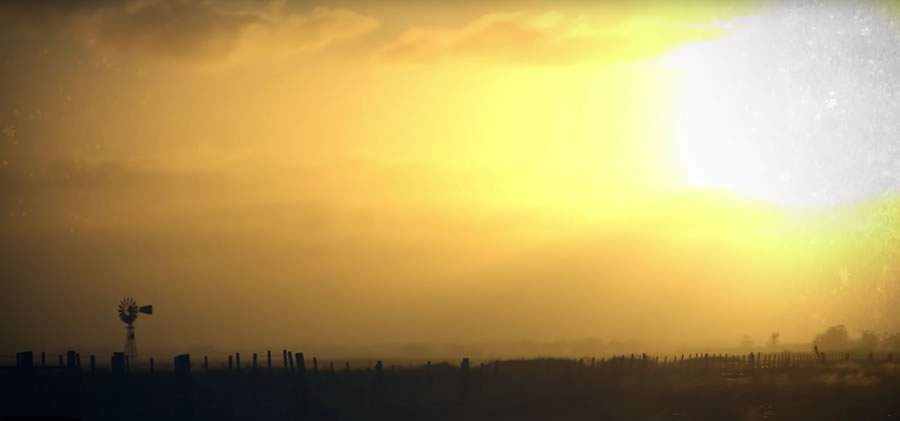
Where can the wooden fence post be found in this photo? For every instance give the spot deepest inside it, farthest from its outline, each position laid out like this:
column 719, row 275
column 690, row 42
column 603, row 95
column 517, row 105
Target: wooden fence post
column 301, row 363
column 378, row 383
column 117, row 364
column 25, row 361
column 464, row 379
column 303, row 390
column 24, row 393
column 70, row 360
column 183, row 386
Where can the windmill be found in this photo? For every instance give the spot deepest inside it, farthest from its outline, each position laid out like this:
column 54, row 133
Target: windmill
column 128, row 313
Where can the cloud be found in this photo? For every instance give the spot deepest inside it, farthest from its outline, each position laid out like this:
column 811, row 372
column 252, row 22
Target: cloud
column 548, row 38
column 173, row 29
column 289, row 33
column 190, row 30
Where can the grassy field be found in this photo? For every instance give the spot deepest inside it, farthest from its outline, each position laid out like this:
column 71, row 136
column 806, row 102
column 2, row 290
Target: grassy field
column 698, row 387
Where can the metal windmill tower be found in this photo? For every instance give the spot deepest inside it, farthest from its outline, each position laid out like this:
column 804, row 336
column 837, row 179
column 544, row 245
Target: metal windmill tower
column 128, row 313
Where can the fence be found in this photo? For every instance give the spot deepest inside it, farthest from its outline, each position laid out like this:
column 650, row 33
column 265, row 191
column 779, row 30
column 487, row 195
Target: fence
column 294, row 385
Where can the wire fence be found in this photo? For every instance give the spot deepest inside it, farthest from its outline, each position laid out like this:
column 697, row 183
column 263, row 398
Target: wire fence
column 289, row 360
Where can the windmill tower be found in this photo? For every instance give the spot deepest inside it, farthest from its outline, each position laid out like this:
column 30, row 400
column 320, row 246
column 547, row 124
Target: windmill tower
column 128, row 313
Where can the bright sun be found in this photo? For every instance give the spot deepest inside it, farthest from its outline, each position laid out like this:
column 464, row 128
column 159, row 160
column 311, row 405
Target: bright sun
column 793, row 106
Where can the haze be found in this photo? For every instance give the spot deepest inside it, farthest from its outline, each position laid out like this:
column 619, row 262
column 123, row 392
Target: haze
column 350, row 173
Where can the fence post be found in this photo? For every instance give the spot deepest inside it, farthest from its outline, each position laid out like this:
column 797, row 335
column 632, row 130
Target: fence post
column 303, row 391
column 378, row 382
column 117, row 364
column 72, row 397
column 254, row 362
column 428, row 377
column 23, row 394
column 269, row 359
column 753, row 360
column 70, row 360
column 183, row 386
column 464, row 379
column 237, row 360
column 230, row 362
column 301, row 363
column 93, row 359
column 25, row 362
column 152, row 368
column 183, row 364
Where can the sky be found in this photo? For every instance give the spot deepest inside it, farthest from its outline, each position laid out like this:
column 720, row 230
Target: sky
column 347, row 173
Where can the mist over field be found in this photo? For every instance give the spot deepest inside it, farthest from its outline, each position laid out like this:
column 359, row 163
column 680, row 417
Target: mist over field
column 351, row 174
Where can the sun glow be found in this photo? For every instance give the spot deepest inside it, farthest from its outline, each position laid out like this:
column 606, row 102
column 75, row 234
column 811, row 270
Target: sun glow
column 792, row 107
column 713, row 154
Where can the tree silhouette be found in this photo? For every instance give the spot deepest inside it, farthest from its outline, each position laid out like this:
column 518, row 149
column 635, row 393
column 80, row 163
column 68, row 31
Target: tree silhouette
column 835, row 337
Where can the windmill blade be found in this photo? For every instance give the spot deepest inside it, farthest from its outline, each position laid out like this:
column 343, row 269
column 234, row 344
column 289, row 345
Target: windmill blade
column 146, row 309
column 128, row 310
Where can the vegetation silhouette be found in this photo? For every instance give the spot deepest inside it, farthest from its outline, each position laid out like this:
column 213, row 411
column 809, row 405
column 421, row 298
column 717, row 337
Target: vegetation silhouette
column 696, row 386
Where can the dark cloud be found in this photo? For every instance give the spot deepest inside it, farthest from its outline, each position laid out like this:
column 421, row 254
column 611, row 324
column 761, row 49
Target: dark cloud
column 36, row 9
column 186, row 30
column 175, row 29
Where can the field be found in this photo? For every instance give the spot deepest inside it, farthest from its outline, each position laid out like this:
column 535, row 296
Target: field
column 638, row 387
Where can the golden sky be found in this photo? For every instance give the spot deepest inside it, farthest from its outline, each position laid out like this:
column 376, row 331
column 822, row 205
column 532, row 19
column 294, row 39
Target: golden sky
column 348, row 172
